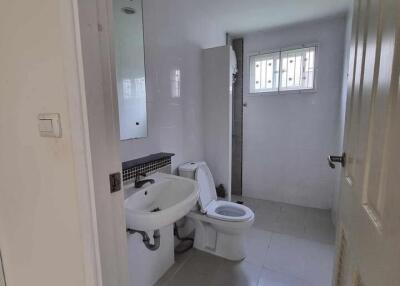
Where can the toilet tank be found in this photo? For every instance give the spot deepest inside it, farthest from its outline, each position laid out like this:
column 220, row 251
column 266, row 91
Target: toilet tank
column 188, row 170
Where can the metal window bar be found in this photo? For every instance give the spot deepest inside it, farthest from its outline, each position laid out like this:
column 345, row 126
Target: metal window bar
column 308, row 68
column 294, row 69
column 284, row 70
column 263, row 73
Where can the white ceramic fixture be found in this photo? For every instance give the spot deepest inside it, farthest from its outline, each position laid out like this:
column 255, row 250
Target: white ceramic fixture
column 220, row 226
column 160, row 204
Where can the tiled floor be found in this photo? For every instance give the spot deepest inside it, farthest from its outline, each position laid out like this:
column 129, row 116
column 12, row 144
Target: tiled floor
column 287, row 246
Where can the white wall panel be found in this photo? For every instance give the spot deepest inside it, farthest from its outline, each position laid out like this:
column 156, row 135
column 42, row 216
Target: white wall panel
column 287, row 137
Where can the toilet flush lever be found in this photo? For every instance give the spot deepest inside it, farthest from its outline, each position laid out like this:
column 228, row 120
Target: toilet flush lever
column 337, row 159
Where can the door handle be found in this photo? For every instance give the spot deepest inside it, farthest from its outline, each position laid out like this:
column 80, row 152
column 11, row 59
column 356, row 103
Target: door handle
column 337, row 159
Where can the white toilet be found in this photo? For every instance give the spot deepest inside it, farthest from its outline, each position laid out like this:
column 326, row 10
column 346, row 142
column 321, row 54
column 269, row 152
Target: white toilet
column 220, row 226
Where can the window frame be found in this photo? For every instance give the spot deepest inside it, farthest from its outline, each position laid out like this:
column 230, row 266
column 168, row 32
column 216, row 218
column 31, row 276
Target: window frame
column 280, row 51
column 267, row 56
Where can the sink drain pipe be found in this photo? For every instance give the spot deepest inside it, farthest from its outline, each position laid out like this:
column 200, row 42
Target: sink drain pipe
column 146, row 238
column 182, row 240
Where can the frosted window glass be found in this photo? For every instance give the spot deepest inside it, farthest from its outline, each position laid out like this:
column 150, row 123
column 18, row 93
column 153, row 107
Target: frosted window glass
column 292, row 70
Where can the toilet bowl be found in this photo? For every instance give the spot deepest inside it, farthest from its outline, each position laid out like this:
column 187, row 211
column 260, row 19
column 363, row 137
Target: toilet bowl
column 220, row 226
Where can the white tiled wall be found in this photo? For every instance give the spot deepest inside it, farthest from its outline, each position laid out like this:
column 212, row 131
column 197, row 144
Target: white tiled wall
column 288, row 137
column 343, row 102
column 173, row 42
column 217, row 114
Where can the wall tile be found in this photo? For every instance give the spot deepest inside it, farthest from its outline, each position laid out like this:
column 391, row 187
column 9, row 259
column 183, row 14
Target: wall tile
column 287, row 137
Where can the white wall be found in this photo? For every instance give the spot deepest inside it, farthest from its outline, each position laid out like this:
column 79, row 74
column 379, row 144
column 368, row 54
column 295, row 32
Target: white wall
column 40, row 235
column 217, row 117
column 288, row 137
column 343, row 101
column 173, row 42
column 146, row 267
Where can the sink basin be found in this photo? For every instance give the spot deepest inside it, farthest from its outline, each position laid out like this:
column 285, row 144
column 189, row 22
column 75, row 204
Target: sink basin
column 160, row 204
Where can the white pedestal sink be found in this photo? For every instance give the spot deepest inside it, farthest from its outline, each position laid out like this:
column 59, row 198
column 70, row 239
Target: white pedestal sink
column 160, row 204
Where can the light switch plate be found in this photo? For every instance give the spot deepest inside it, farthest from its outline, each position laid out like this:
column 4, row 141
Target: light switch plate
column 49, row 125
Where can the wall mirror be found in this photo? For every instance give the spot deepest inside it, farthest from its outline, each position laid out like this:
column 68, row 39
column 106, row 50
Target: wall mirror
column 130, row 68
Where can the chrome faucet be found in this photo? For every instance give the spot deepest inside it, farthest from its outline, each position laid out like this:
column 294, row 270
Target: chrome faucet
column 140, row 183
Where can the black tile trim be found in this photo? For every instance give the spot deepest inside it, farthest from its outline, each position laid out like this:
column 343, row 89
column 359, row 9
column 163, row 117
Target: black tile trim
column 132, row 169
column 145, row 160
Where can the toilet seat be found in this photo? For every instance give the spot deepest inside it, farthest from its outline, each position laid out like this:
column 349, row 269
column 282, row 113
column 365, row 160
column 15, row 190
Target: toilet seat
column 221, row 210
column 228, row 211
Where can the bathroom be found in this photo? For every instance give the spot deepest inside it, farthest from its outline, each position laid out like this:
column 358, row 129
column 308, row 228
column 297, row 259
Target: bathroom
column 267, row 149
column 185, row 142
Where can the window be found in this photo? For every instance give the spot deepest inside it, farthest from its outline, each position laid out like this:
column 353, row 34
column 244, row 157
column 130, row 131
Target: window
column 288, row 70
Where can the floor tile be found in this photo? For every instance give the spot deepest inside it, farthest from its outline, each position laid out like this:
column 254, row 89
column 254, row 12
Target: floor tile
column 292, row 214
column 237, row 274
column 257, row 242
column 184, row 278
column 289, row 228
column 319, row 226
column 287, row 246
column 200, row 269
column 266, row 212
column 202, row 262
column 273, row 278
column 259, row 205
column 319, row 214
column 286, row 219
column 309, row 260
column 180, row 260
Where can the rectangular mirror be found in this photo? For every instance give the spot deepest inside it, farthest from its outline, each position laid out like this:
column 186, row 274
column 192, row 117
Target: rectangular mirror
column 130, row 68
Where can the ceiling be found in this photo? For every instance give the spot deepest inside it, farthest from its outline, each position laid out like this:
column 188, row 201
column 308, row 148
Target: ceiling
column 240, row 16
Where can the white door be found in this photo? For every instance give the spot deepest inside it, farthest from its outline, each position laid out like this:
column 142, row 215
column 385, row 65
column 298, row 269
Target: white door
column 368, row 243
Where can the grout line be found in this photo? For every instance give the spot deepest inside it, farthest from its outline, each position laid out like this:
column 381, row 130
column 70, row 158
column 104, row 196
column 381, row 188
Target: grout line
column 268, row 248
column 302, row 279
column 272, row 235
column 260, row 272
column 178, row 268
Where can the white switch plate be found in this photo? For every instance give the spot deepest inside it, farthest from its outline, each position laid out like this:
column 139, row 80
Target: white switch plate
column 49, row 125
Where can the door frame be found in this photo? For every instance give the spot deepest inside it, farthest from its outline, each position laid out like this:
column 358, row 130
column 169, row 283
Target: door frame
column 87, row 31
column 78, row 114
